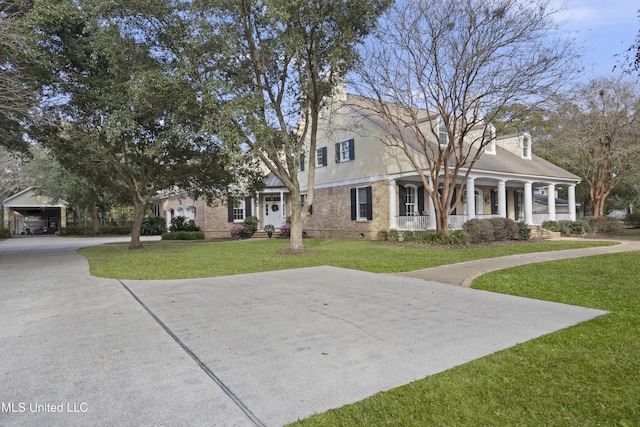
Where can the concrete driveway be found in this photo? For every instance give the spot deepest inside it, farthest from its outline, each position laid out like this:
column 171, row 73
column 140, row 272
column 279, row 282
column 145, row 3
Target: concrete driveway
column 245, row 350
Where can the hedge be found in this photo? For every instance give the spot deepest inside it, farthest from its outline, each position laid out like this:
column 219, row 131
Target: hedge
column 183, row 235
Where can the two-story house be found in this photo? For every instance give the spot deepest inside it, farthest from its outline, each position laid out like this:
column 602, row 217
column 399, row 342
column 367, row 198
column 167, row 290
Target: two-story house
column 363, row 186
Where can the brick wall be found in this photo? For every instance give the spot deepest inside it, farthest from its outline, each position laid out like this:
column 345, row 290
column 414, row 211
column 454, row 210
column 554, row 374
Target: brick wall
column 331, row 216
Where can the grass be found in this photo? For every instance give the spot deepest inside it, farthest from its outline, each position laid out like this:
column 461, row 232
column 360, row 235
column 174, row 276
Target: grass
column 192, row 260
column 586, row 375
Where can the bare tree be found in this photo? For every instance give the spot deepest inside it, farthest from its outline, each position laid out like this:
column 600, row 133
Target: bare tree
column 598, row 134
column 439, row 72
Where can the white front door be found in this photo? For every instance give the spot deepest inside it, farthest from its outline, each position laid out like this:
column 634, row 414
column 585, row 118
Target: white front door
column 274, row 211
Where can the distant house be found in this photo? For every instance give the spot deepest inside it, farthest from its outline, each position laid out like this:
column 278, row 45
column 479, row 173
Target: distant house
column 28, row 213
column 363, row 186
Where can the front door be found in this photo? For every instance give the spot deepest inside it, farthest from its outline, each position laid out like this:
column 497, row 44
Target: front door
column 274, row 211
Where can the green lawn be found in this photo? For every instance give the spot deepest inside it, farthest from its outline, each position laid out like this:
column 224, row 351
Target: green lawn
column 587, row 375
column 189, row 260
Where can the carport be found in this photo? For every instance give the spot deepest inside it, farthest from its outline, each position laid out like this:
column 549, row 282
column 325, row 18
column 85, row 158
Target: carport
column 28, row 213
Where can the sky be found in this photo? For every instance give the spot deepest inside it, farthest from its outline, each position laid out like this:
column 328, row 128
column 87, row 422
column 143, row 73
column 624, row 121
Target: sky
column 602, row 30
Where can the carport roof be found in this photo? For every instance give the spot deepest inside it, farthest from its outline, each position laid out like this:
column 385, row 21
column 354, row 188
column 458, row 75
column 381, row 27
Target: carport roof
column 28, row 198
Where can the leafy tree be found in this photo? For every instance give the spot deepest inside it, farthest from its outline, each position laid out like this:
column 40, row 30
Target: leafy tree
column 124, row 106
column 17, row 93
column 443, row 70
column 597, row 135
column 275, row 62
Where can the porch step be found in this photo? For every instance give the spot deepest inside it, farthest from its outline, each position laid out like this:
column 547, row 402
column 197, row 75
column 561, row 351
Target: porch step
column 538, row 232
column 261, row 234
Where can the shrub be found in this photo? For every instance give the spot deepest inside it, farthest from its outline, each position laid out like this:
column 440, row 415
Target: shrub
column 579, row 227
column 524, row 232
column 393, row 235
column 4, row 233
column 178, row 223
column 152, row 225
column 183, row 235
column 408, row 236
column 504, row 229
column 238, row 231
column 250, row 225
column 479, row 230
column 285, row 231
column 458, row 237
column 114, row 229
column 633, row 219
column 383, row 235
column 551, row 226
column 604, row 224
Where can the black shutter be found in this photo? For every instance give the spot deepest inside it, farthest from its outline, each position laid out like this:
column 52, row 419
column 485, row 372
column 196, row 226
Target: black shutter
column 352, row 150
column 354, row 207
column 230, row 210
column 324, row 156
column 494, row 202
column 310, row 209
column 338, row 153
column 247, row 206
column 421, row 200
column 453, row 201
column 302, row 162
column 516, row 202
column 402, row 195
column 369, row 203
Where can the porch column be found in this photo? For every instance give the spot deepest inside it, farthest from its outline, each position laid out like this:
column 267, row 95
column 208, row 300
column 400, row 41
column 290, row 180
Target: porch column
column 256, row 207
column 471, row 198
column 393, row 202
column 572, row 202
column 168, row 218
column 551, row 189
column 431, row 220
column 502, row 198
column 528, row 203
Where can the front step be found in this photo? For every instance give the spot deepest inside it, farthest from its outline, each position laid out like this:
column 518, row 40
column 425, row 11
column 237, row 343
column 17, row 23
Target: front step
column 538, row 232
column 261, row 234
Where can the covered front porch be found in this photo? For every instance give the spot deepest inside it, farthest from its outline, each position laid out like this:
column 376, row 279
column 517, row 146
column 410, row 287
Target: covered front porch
column 533, row 202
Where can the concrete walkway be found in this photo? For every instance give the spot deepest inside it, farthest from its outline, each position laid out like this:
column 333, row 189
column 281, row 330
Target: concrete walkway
column 464, row 273
column 245, row 350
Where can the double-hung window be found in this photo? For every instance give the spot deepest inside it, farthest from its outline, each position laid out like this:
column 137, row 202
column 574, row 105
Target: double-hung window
column 239, row 209
column 443, row 134
column 345, row 151
column 526, row 147
column 303, row 200
column 489, row 140
column 361, row 203
column 321, row 157
column 410, row 200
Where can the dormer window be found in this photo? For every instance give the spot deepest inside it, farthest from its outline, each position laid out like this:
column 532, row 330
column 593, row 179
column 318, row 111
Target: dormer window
column 489, row 140
column 526, row 147
column 443, row 135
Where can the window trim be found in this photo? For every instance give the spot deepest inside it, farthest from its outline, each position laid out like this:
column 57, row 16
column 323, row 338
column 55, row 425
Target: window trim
column 321, row 157
column 443, row 131
column 345, row 147
column 526, row 147
column 357, row 204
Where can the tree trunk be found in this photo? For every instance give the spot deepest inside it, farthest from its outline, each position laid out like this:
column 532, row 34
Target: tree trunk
column 96, row 223
column 139, row 208
column 297, row 224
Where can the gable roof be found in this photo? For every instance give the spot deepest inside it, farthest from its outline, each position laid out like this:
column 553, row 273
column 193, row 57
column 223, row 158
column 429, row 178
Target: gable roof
column 503, row 161
column 28, row 198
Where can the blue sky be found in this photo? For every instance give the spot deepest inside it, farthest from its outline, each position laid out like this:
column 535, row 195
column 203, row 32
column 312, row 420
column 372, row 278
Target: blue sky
column 602, row 29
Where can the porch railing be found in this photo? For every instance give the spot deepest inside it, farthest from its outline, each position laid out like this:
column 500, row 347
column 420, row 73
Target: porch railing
column 538, row 219
column 415, row 223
